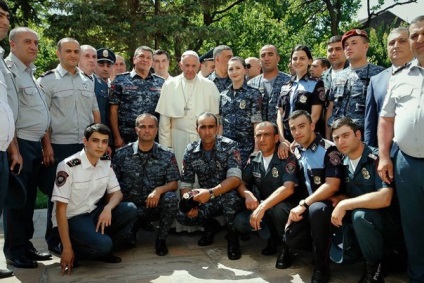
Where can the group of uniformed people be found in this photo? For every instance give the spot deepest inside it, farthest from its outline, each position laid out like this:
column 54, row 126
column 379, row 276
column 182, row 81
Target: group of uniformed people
column 261, row 159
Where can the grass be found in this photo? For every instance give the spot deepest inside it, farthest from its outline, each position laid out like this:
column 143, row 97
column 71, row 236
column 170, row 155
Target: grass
column 41, row 201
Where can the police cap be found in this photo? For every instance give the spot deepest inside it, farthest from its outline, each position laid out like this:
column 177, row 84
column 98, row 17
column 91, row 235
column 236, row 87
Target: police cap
column 354, row 32
column 208, row 56
column 104, row 54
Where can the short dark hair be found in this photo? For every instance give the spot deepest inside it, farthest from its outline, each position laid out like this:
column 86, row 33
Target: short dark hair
column 96, row 128
column 324, row 62
column 206, row 114
column 344, row 121
column 144, row 115
column 267, row 123
column 65, row 39
column 302, row 48
column 299, row 113
column 334, row 39
column 161, row 52
column 142, row 48
column 4, row 6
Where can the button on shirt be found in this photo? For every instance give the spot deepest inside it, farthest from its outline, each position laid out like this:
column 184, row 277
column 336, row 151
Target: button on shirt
column 81, row 185
column 33, row 115
column 405, row 102
column 71, row 101
column 7, row 123
column 212, row 167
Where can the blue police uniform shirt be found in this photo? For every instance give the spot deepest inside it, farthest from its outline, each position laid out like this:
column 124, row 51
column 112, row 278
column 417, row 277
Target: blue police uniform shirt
column 101, row 89
column 139, row 173
column 212, row 167
column 221, row 83
column 239, row 110
column 269, row 98
column 317, row 162
column 134, row 96
column 348, row 93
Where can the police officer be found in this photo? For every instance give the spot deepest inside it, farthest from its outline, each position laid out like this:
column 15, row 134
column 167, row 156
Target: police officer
column 349, row 88
column 240, row 109
column 148, row 174
column 216, row 162
column 7, row 122
column 401, row 120
column 207, row 65
column 221, row 55
column 33, row 120
column 320, row 172
column 301, row 93
column 367, row 200
column 105, row 60
column 73, row 105
column 133, row 93
column 268, row 188
column 89, row 223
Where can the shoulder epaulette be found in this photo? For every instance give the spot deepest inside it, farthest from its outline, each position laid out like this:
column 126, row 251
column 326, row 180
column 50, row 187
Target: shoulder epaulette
column 122, row 74
column 74, row 162
column 105, row 157
column 122, row 147
column 328, row 143
column 401, row 68
column 47, row 73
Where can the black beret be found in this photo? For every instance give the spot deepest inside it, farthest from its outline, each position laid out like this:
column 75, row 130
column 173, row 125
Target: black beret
column 16, row 194
column 187, row 202
column 208, row 56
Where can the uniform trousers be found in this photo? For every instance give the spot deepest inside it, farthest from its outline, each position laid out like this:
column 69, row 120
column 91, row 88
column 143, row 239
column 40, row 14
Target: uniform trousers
column 409, row 180
column 89, row 244
column 18, row 224
column 316, row 223
column 228, row 205
column 4, row 178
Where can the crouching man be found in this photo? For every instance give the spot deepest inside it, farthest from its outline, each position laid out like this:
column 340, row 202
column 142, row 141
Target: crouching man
column 87, row 204
column 367, row 200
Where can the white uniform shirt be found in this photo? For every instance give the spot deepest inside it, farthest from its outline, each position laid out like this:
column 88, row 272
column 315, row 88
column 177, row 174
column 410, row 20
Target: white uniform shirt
column 7, row 123
column 81, row 185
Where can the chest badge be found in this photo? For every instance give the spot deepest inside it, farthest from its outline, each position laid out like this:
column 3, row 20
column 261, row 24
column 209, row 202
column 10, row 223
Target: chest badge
column 242, row 104
column 302, row 98
column 274, row 172
column 317, row 180
column 365, row 173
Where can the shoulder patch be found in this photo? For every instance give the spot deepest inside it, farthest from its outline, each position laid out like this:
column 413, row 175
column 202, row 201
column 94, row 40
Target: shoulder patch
column 105, row 157
column 61, row 178
column 47, row 73
column 335, row 157
column 74, row 162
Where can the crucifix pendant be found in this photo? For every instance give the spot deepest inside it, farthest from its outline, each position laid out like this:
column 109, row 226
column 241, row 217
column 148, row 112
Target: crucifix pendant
column 186, row 109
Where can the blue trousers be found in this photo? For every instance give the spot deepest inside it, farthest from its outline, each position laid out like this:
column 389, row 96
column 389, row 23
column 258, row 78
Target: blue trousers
column 4, row 178
column 47, row 177
column 316, row 224
column 89, row 244
column 18, row 224
column 409, row 180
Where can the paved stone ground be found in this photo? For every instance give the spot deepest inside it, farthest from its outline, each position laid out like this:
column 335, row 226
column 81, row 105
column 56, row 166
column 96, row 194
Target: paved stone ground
column 186, row 262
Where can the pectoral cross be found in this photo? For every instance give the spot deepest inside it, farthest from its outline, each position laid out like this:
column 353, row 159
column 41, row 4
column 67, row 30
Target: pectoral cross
column 186, row 109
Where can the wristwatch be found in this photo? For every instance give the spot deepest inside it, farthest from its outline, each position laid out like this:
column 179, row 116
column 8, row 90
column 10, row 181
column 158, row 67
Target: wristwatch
column 212, row 194
column 303, row 203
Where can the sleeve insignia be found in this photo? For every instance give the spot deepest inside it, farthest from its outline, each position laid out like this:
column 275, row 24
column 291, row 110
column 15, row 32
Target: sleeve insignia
column 290, row 167
column 61, row 178
column 334, row 157
column 74, row 162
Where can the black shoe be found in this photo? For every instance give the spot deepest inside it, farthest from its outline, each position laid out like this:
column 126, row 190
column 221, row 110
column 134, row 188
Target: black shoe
column 22, row 262
column 161, row 248
column 147, row 226
column 233, row 245
column 321, row 275
column 372, row 273
column 33, row 254
column 111, row 259
column 4, row 273
column 271, row 247
column 57, row 250
column 212, row 227
column 284, row 259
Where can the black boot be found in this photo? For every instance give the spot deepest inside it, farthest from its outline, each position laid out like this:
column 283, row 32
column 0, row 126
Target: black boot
column 284, row 259
column 372, row 273
column 161, row 248
column 233, row 245
column 212, row 227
